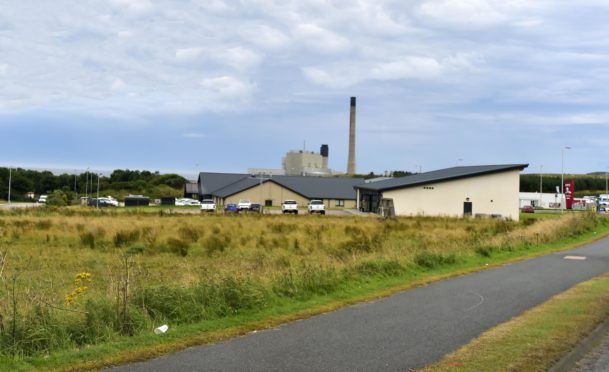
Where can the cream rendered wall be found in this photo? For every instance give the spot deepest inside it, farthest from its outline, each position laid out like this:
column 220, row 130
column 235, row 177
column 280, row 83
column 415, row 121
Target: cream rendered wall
column 490, row 194
column 268, row 190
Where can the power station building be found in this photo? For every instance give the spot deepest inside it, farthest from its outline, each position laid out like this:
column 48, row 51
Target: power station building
column 303, row 163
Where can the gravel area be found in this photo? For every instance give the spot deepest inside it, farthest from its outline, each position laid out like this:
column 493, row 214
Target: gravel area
column 597, row 360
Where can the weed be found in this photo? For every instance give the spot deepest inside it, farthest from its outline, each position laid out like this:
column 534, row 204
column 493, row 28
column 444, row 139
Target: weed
column 430, row 260
column 124, row 238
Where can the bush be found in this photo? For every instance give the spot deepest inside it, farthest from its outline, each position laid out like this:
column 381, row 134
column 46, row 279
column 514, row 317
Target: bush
column 430, row 260
column 125, row 238
column 57, row 199
column 178, row 247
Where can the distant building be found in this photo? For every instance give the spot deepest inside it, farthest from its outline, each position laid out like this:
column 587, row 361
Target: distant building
column 303, row 163
column 267, row 171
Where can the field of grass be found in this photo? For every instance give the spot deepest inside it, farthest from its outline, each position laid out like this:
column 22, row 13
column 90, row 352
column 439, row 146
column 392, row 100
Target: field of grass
column 75, row 278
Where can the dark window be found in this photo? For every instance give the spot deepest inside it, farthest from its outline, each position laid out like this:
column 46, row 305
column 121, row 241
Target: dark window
column 268, row 203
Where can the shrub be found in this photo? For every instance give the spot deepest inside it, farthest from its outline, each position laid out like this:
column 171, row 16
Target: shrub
column 485, row 251
column 124, row 238
column 430, row 260
column 189, row 234
column 87, row 239
column 215, row 244
column 178, row 247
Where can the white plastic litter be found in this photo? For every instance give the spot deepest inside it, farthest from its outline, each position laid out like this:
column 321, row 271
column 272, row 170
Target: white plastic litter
column 161, row 329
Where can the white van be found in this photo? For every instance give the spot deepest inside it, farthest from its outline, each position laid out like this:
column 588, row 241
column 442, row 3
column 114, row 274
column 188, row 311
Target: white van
column 42, row 199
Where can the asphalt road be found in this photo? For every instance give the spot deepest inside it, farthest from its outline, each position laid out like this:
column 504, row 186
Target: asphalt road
column 408, row 330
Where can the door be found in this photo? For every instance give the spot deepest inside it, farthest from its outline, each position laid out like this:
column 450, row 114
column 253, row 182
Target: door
column 467, row 209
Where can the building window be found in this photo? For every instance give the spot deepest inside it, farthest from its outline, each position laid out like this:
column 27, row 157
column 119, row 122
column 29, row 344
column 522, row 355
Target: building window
column 427, row 187
column 268, row 203
column 340, row 203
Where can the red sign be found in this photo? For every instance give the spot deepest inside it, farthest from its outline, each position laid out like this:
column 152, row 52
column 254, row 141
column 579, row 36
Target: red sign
column 569, row 193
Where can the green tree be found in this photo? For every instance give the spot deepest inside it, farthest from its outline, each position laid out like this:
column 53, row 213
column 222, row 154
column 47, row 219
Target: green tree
column 57, row 198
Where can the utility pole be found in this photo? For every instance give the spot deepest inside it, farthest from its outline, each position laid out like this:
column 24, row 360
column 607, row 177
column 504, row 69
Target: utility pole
column 97, row 200
column 540, row 184
column 562, row 177
column 10, row 176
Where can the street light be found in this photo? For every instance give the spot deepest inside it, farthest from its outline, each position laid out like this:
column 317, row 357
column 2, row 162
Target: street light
column 562, row 176
column 540, row 185
column 10, row 176
column 97, row 200
column 606, row 188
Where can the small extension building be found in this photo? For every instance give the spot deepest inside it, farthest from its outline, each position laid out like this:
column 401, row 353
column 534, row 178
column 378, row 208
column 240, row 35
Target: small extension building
column 484, row 190
column 224, row 188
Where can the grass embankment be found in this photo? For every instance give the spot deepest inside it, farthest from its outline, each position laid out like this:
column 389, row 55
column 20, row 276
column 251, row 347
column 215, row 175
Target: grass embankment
column 85, row 288
column 537, row 339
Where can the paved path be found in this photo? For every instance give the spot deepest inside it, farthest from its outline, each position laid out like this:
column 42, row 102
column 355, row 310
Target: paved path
column 404, row 331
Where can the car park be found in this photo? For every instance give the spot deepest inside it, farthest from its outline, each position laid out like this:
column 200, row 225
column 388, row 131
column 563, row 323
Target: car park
column 289, row 206
column 231, row 208
column 208, row 205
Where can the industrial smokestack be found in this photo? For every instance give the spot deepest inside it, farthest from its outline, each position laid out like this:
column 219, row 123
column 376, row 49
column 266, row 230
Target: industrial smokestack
column 324, row 151
column 351, row 162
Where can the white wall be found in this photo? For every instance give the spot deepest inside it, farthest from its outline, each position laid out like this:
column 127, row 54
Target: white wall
column 495, row 193
column 547, row 199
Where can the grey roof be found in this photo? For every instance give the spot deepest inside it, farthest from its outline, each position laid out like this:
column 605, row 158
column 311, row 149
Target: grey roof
column 210, row 182
column 227, row 184
column 320, row 187
column 191, row 188
column 440, row 175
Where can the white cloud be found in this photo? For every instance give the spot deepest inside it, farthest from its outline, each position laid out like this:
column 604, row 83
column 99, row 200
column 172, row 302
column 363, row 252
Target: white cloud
column 228, row 86
column 321, row 39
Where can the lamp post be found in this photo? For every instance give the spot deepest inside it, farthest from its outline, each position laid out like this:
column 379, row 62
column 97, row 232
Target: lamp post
column 540, row 185
column 97, row 200
column 562, row 177
column 606, row 188
column 10, row 178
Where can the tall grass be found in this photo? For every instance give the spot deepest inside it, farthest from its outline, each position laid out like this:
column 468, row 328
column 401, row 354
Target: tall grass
column 148, row 268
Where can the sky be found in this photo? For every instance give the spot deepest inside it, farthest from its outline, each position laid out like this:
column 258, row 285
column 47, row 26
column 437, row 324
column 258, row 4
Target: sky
column 187, row 86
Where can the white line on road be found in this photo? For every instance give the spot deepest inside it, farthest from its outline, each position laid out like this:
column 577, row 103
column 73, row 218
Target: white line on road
column 579, row 258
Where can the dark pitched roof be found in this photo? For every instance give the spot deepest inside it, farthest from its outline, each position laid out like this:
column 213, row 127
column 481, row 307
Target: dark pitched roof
column 320, row 187
column 227, row 184
column 438, row 176
column 210, row 182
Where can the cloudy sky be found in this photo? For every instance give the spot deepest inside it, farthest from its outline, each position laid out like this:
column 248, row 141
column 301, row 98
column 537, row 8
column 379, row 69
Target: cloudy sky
column 227, row 85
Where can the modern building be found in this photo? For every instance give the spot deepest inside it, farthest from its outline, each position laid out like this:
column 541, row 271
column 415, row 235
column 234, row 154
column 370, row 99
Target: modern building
column 484, row 190
column 224, row 188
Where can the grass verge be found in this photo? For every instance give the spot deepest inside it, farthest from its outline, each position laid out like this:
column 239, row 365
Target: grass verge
column 540, row 337
column 128, row 349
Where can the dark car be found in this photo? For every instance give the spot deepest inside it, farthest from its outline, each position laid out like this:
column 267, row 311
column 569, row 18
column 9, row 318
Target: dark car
column 256, row 207
column 231, row 208
column 528, row 209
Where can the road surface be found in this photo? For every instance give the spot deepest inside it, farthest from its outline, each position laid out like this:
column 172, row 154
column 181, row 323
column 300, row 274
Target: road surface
column 405, row 331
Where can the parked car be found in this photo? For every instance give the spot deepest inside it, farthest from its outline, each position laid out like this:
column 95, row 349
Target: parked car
column 317, row 206
column 187, row 201
column 208, row 205
column 527, row 209
column 289, row 206
column 42, row 199
column 256, row 207
column 244, row 204
column 231, row 208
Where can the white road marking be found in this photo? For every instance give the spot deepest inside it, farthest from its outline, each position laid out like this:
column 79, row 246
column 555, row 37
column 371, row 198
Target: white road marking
column 479, row 302
column 579, row 258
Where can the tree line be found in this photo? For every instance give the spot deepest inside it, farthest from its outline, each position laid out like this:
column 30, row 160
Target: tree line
column 119, row 183
column 584, row 184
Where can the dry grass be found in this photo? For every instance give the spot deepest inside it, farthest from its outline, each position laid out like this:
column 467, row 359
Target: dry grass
column 242, row 260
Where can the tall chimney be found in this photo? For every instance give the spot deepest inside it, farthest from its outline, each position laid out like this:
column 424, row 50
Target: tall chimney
column 351, row 162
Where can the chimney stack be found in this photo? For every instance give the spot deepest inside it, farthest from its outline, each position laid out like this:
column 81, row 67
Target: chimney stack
column 324, row 151
column 351, row 161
